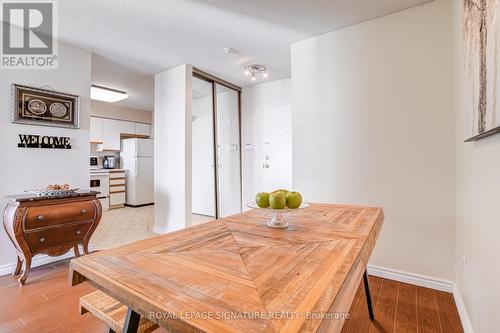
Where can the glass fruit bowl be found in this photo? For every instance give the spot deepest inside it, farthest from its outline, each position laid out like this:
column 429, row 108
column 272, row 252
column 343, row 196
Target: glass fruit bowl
column 278, row 219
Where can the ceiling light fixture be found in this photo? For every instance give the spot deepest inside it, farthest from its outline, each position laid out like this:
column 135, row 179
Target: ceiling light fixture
column 229, row 49
column 104, row 94
column 256, row 69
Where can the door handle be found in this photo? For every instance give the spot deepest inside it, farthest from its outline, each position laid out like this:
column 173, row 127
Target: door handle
column 265, row 166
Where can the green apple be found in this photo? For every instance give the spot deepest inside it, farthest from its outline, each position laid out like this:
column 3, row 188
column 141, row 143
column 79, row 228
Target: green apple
column 262, row 199
column 280, row 190
column 293, row 200
column 277, row 200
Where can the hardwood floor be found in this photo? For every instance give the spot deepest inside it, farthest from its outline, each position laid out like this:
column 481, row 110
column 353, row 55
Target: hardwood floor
column 403, row 308
column 48, row 304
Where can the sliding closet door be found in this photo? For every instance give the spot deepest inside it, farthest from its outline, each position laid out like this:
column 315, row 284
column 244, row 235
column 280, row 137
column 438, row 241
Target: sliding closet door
column 228, row 150
column 203, row 166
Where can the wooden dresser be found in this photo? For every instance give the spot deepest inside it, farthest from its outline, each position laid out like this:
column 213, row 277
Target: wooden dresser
column 50, row 225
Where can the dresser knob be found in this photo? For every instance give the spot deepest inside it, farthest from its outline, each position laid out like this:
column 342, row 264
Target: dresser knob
column 83, row 211
column 42, row 239
column 40, row 217
column 78, row 232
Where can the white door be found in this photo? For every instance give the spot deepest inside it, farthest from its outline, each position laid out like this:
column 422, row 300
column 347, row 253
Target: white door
column 276, row 143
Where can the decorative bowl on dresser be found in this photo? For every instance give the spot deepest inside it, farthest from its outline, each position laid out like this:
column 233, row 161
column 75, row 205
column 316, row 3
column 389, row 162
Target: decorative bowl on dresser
column 50, row 225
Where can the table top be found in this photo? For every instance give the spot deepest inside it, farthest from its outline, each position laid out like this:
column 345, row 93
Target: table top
column 238, row 275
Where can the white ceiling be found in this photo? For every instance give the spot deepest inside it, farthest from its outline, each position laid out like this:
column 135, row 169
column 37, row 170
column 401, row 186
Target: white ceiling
column 154, row 35
column 139, row 86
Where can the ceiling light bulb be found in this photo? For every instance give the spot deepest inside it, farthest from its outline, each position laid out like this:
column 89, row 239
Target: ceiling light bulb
column 253, row 78
column 247, row 72
column 264, row 75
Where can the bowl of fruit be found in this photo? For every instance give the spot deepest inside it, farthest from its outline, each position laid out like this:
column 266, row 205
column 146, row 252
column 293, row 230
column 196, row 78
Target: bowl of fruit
column 55, row 190
column 278, row 203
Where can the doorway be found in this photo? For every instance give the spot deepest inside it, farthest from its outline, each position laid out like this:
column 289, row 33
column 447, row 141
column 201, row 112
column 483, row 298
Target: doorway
column 216, row 148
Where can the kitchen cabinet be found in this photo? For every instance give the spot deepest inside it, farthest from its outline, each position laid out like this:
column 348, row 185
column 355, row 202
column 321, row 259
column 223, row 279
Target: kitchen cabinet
column 142, row 129
column 111, row 135
column 117, row 188
column 126, row 127
column 96, row 129
column 108, row 132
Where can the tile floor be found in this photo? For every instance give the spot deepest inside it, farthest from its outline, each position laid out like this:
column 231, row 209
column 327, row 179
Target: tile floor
column 128, row 225
column 123, row 226
column 199, row 219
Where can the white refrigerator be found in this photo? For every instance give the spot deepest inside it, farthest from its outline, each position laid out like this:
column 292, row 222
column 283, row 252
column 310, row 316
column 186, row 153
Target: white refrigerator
column 137, row 158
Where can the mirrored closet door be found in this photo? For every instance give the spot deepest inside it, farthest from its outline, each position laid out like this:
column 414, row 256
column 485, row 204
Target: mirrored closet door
column 216, row 150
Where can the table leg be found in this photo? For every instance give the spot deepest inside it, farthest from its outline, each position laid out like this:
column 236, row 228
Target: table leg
column 131, row 321
column 368, row 296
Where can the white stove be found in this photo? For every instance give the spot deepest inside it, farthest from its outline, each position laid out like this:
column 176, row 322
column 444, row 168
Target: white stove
column 99, row 181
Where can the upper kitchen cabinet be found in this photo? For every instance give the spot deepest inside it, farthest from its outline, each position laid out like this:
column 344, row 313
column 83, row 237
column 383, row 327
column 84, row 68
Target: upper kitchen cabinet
column 111, row 135
column 142, row 129
column 126, row 127
column 96, row 130
column 108, row 132
column 112, row 132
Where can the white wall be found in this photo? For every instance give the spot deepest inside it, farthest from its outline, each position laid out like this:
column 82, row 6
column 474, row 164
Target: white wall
column 477, row 207
column 172, row 121
column 372, row 125
column 203, row 192
column 23, row 168
column 253, row 101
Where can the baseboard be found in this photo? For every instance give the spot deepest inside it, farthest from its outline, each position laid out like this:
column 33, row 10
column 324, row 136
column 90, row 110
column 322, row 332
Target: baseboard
column 428, row 282
column 416, row 279
column 462, row 310
column 160, row 231
column 38, row 260
column 138, row 206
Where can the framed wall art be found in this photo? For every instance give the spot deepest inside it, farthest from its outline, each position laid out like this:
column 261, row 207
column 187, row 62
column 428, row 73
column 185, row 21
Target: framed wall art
column 36, row 106
column 481, row 33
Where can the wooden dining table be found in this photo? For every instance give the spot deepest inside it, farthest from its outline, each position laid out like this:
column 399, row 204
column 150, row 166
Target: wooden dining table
column 236, row 274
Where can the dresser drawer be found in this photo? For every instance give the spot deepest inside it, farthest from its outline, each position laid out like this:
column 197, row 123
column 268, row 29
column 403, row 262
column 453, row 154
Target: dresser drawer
column 50, row 215
column 39, row 240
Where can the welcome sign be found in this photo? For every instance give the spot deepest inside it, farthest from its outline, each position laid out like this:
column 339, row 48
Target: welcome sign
column 37, row 141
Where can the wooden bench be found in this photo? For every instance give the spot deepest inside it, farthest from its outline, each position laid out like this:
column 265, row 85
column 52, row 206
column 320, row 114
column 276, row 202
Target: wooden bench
column 111, row 312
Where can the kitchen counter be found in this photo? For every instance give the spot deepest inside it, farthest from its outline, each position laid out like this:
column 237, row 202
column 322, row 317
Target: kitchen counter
column 106, row 170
